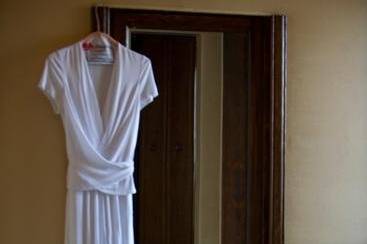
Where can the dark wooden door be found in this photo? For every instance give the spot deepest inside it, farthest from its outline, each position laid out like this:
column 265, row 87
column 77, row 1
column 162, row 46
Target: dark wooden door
column 164, row 164
column 254, row 116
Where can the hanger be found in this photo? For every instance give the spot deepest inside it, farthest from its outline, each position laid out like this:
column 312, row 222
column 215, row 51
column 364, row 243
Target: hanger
column 99, row 34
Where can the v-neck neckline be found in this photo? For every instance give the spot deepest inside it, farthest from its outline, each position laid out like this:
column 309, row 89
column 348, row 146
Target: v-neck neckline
column 101, row 105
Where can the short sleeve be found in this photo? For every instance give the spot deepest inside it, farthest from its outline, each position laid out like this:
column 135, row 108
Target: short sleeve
column 50, row 82
column 148, row 87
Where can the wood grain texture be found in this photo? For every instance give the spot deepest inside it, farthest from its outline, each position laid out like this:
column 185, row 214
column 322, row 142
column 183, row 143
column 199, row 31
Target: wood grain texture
column 279, row 40
column 236, row 75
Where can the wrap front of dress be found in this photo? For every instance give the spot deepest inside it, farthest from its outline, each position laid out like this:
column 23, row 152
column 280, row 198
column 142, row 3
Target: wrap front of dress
column 101, row 136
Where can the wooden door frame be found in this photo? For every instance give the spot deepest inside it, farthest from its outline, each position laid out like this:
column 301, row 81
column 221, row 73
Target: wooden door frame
column 274, row 36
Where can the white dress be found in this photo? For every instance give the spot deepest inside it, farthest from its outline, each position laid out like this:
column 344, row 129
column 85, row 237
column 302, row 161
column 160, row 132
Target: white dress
column 100, row 108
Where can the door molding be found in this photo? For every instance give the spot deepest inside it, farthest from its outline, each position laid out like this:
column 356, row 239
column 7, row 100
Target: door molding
column 272, row 31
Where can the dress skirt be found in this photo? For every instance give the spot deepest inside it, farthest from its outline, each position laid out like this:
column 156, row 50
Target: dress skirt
column 93, row 217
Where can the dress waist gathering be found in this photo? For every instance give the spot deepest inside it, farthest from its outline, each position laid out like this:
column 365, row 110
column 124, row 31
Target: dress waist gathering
column 109, row 177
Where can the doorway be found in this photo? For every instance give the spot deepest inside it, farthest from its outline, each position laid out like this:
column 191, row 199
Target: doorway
column 253, row 117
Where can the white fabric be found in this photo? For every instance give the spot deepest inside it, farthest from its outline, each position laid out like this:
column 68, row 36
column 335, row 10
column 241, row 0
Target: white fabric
column 101, row 134
column 98, row 218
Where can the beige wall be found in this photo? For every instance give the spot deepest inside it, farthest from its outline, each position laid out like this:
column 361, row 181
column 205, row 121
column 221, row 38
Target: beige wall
column 326, row 184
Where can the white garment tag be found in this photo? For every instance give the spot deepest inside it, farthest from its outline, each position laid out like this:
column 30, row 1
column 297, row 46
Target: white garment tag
column 100, row 55
column 99, row 51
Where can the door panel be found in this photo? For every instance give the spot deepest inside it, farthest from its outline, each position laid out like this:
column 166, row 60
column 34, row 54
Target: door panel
column 164, row 202
column 236, row 76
